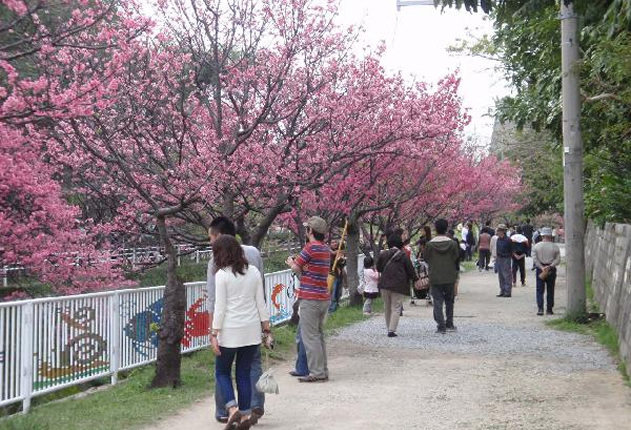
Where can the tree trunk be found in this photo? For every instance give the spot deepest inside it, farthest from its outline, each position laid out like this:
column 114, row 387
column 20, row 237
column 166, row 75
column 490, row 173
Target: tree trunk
column 171, row 329
column 351, row 263
column 261, row 229
column 243, row 232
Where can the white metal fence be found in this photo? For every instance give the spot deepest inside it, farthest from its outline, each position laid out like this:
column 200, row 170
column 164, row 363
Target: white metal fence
column 52, row 343
column 49, row 344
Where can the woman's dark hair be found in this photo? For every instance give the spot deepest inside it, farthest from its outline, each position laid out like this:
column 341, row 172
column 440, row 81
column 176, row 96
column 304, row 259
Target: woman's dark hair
column 395, row 241
column 228, row 253
column 368, row 262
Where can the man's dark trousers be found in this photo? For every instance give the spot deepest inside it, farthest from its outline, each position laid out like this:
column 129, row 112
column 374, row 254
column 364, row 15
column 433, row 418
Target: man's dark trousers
column 443, row 293
column 485, row 259
column 547, row 285
column 519, row 264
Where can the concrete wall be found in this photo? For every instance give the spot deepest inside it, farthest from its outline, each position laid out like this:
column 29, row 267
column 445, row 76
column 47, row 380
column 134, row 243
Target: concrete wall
column 608, row 264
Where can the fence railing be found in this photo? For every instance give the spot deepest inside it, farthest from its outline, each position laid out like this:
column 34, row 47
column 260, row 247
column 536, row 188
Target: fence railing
column 51, row 343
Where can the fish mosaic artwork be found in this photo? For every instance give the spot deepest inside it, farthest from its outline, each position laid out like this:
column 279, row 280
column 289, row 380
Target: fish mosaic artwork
column 282, row 299
column 141, row 328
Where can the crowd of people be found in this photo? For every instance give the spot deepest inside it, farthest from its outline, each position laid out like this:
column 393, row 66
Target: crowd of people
column 241, row 323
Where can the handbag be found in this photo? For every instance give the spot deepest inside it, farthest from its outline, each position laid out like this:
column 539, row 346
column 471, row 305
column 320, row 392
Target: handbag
column 266, row 383
column 545, row 272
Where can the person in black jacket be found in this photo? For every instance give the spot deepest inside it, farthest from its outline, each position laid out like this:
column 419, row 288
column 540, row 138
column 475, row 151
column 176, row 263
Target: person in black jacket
column 397, row 272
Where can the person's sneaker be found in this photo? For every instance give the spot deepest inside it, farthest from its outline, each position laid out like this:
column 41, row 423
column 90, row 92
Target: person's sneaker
column 500, row 295
column 540, row 312
column 523, row 284
column 441, row 330
column 256, row 415
column 508, row 296
column 222, row 420
column 452, row 328
column 514, row 284
column 549, row 312
column 392, row 334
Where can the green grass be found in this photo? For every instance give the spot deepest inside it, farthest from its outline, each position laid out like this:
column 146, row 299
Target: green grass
column 469, row 265
column 131, row 405
column 599, row 329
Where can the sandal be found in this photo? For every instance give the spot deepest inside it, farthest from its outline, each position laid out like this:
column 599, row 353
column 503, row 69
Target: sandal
column 244, row 425
column 233, row 420
column 311, row 379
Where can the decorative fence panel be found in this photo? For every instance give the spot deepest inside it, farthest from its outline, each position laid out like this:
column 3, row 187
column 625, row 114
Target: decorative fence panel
column 51, row 343
column 10, row 354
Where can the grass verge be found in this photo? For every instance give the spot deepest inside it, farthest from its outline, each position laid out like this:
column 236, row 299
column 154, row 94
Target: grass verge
column 131, row 405
column 599, row 329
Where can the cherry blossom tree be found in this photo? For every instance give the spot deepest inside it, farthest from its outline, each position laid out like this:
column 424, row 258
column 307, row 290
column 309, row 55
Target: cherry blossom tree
column 54, row 63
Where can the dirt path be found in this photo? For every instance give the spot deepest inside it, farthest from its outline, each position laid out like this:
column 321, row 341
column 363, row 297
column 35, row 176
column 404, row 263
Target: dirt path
column 503, row 369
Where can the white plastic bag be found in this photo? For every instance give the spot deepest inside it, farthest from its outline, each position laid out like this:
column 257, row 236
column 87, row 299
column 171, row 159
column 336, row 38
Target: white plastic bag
column 267, row 383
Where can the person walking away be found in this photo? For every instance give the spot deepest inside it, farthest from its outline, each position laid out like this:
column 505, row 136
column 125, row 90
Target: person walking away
column 528, row 230
column 504, row 252
column 218, row 227
column 441, row 255
column 397, row 272
column 312, row 266
column 520, row 248
column 547, row 257
column 484, row 247
column 240, row 318
column 470, row 241
column 370, row 287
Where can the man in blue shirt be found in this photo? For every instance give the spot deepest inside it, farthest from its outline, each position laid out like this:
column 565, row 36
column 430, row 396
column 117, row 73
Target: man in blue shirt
column 504, row 252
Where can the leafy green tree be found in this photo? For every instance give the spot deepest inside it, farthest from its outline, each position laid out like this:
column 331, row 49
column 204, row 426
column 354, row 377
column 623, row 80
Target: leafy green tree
column 526, row 41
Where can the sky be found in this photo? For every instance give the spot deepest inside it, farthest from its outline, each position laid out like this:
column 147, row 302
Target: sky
column 417, row 37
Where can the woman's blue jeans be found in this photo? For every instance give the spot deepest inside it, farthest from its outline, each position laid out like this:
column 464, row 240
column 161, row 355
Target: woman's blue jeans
column 302, row 366
column 223, row 374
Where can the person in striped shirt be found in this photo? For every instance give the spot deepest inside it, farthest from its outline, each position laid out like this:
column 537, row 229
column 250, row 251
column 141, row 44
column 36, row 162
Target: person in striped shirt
column 312, row 266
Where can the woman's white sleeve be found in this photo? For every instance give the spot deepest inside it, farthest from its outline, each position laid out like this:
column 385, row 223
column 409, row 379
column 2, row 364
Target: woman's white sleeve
column 260, row 300
column 221, row 287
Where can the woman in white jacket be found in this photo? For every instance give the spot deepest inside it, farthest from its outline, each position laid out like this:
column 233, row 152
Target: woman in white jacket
column 240, row 318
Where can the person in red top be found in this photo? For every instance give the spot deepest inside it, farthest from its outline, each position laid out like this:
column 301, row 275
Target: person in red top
column 312, row 266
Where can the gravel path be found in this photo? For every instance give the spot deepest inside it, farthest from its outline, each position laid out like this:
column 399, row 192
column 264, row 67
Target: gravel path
column 503, row 369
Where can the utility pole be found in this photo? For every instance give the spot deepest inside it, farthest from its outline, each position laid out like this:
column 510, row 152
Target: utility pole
column 572, row 163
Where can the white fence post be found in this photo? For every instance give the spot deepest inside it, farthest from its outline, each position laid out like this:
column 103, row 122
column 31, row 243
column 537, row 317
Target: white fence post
column 26, row 356
column 115, row 336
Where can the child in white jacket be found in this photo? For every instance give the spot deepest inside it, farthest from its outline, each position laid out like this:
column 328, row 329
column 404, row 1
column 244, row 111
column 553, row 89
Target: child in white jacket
column 368, row 286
